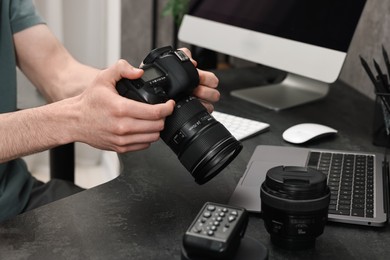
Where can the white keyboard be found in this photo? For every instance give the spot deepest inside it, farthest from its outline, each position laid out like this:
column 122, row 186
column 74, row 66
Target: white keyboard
column 240, row 127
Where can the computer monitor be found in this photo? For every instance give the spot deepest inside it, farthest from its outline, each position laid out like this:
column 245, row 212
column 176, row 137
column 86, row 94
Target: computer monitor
column 307, row 39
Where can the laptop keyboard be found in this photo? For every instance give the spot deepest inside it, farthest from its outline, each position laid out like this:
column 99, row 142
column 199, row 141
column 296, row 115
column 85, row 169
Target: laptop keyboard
column 350, row 180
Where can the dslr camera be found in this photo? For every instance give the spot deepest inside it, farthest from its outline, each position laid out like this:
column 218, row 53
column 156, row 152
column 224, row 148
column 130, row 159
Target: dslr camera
column 202, row 144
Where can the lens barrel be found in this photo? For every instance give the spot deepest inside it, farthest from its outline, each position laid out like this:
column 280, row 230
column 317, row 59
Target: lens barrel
column 202, row 144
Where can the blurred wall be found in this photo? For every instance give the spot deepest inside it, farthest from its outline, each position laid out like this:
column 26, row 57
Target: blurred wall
column 136, row 41
column 372, row 32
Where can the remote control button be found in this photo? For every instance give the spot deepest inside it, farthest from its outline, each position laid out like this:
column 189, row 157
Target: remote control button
column 219, row 219
column 211, row 208
column 231, row 218
column 225, row 210
column 210, row 233
column 202, row 220
column 221, row 214
column 196, row 230
column 235, row 213
column 199, row 226
column 216, row 223
column 213, row 228
column 207, row 214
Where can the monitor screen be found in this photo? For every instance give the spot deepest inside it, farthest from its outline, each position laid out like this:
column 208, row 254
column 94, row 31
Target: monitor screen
column 329, row 24
column 308, row 39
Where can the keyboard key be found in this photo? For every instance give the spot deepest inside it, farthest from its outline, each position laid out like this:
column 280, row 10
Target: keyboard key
column 344, row 207
column 340, row 212
column 358, row 212
column 358, row 206
column 313, row 159
column 344, row 202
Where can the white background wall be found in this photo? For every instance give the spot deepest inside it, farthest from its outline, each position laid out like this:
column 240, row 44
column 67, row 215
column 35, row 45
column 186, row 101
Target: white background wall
column 90, row 29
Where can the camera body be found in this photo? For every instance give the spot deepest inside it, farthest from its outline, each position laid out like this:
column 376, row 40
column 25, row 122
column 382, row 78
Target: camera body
column 168, row 74
column 202, row 144
column 294, row 204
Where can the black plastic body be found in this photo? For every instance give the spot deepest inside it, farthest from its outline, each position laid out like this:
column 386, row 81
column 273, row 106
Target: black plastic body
column 157, row 84
column 224, row 241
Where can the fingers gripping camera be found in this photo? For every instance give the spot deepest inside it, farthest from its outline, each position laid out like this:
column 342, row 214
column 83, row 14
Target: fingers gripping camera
column 168, row 74
column 202, row 144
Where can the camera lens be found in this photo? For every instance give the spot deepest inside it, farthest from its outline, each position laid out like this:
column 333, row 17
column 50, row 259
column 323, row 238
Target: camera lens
column 294, row 204
column 202, row 144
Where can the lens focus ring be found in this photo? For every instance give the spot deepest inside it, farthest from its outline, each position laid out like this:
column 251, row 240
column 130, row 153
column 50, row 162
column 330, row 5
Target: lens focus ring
column 184, row 110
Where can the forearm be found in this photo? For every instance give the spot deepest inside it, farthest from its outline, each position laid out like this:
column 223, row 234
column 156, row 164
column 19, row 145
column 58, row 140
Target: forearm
column 34, row 130
column 49, row 66
column 68, row 80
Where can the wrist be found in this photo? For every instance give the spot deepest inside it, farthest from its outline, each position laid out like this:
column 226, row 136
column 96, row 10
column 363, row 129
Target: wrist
column 37, row 129
column 60, row 121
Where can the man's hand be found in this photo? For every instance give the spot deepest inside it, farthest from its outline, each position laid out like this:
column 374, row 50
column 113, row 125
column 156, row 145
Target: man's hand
column 116, row 123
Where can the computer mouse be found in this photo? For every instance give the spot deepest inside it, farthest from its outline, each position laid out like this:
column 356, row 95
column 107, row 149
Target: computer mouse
column 302, row 133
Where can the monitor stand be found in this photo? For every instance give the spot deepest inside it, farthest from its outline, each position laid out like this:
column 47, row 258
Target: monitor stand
column 294, row 90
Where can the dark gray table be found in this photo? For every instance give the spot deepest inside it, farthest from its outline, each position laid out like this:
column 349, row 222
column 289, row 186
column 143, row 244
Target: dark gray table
column 144, row 212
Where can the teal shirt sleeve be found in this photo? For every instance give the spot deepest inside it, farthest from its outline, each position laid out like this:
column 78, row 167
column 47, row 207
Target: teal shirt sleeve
column 23, row 15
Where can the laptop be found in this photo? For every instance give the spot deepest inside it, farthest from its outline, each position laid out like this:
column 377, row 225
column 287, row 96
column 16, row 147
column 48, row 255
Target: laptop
column 370, row 209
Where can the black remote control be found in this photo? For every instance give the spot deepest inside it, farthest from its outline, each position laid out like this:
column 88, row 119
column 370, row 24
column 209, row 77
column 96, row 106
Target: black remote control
column 216, row 232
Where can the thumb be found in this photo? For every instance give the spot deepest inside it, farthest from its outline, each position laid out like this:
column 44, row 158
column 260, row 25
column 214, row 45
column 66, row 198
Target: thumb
column 121, row 69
